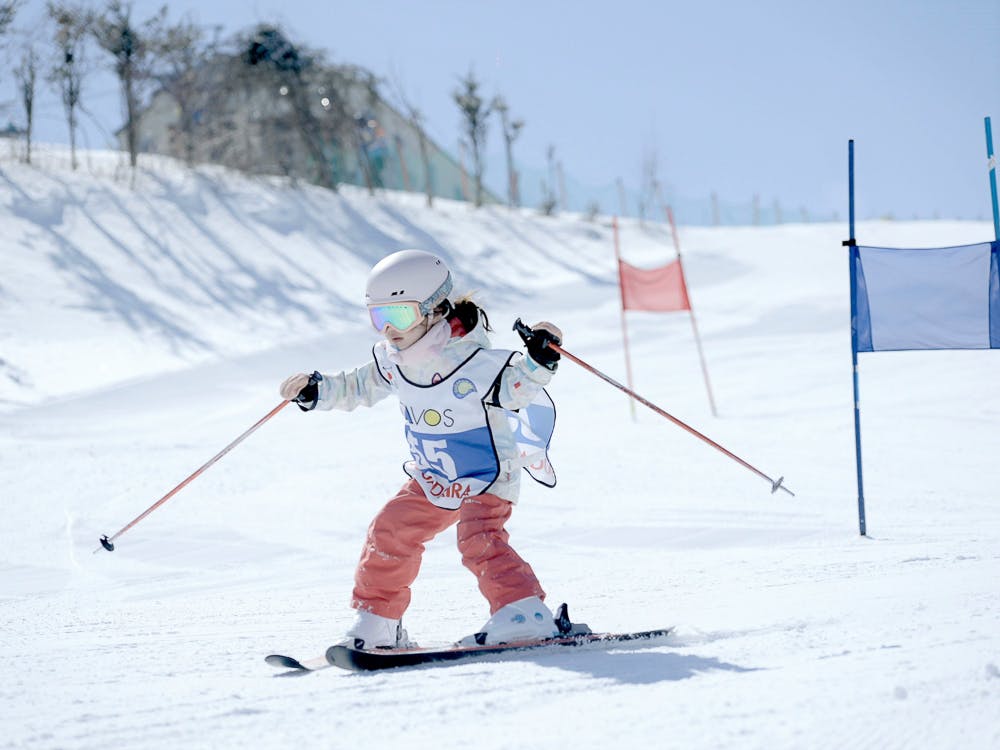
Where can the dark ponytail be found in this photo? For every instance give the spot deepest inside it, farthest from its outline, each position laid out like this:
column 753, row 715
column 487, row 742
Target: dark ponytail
column 468, row 313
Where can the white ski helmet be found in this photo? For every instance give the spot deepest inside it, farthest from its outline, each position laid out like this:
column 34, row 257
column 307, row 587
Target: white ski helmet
column 409, row 276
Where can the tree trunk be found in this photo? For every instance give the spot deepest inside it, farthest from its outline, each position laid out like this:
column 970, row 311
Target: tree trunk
column 132, row 127
column 428, row 185
column 477, row 169
column 71, row 117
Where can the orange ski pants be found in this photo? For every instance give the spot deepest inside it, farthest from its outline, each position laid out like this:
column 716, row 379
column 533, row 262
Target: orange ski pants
column 395, row 543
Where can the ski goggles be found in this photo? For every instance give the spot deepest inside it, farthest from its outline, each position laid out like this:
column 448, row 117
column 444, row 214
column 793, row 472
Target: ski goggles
column 400, row 315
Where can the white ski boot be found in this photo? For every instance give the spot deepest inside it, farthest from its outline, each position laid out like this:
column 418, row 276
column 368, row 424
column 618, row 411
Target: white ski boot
column 373, row 631
column 524, row 620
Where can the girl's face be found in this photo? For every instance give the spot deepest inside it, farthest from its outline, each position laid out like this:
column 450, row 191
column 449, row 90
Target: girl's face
column 403, row 339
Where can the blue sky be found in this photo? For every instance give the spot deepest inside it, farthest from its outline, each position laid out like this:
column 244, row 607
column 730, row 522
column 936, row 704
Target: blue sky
column 736, row 98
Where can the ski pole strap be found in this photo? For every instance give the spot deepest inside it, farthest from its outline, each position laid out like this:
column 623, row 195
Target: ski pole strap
column 309, row 395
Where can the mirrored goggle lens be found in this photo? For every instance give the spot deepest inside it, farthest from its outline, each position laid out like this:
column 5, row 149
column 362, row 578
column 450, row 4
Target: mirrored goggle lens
column 402, row 317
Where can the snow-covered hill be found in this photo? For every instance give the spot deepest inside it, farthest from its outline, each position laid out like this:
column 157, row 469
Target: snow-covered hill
column 143, row 327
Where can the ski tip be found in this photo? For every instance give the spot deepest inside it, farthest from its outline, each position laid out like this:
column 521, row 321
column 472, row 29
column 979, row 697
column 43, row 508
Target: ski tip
column 284, row 662
column 341, row 655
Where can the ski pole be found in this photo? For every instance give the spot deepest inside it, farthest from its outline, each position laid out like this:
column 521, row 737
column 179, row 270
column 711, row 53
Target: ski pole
column 108, row 543
column 526, row 333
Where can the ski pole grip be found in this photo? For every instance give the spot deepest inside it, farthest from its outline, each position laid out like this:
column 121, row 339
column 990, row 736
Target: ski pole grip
column 309, row 395
column 523, row 331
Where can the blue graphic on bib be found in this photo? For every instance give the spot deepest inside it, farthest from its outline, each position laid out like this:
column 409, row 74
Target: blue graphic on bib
column 536, row 425
column 466, row 454
column 532, row 428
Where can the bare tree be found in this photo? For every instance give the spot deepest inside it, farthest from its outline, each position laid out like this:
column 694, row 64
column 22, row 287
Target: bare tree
column 415, row 118
column 475, row 122
column 26, row 75
column 561, row 175
column 549, row 200
column 287, row 70
column 222, row 90
column 366, row 135
column 511, row 130
column 339, row 127
column 72, row 23
column 246, row 108
column 178, row 55
column 8, row 9
column 131, row 47
column 303, row 96
column 648, row 181
column 265, row 105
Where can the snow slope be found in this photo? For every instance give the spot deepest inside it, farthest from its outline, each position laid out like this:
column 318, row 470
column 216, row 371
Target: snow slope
column 144, row 327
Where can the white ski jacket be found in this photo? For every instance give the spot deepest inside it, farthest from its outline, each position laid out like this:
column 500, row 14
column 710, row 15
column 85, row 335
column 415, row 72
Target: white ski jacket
column 519, row 383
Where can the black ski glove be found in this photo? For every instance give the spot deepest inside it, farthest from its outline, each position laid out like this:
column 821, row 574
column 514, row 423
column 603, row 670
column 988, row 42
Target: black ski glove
column 537, row 340
column 308, row 395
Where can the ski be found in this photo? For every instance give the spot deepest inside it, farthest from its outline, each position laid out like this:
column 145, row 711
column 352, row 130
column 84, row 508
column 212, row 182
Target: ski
column 366, row 660
column 288, row 662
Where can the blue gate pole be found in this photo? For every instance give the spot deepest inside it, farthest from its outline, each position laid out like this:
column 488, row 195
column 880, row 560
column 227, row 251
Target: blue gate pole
column 853, row 247
column 993, row 178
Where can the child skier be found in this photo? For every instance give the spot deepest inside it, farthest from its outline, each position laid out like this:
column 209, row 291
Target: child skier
column 474, row 416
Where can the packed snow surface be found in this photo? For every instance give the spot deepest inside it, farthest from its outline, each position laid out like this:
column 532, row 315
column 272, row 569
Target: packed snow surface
column 146, row 322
